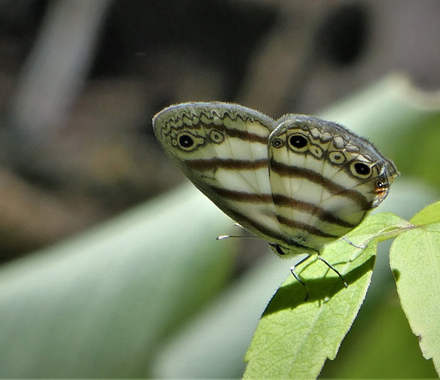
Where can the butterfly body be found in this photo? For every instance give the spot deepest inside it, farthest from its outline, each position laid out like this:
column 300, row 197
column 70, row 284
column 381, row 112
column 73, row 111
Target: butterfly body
column 298, row 182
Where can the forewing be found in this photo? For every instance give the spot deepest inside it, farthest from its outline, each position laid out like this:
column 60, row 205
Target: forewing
column 222, row 149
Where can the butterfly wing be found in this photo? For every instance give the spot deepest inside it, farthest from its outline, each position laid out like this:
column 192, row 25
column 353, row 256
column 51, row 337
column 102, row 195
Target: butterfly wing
column 324, row 179
column 299, row 182
column 222, row 149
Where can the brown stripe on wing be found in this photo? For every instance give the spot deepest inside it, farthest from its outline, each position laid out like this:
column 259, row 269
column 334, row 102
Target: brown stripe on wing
column 215, row 163
column 246, row 136
column 240, row 196
column 243, row 135
column 319, row 212
column 253, row 224
column 330, row 186
column 271, row 236
column 282, row 200
column 305, row 227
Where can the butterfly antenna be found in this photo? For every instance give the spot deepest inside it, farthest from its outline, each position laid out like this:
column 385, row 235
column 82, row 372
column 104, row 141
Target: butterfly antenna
column 223, row 237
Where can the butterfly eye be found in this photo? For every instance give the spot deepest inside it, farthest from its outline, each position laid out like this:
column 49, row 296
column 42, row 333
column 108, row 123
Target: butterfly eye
column 360, row 170
column 298, row 143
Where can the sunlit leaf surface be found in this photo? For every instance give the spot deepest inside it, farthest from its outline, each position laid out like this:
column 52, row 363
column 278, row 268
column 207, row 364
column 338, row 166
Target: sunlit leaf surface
column 294, row 337
column 415, row 261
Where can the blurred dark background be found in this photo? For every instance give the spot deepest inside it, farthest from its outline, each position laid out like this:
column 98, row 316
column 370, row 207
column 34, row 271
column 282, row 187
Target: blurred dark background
column 81, row 80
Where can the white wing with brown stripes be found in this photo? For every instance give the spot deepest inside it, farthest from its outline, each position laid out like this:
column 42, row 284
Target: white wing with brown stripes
column 299, row 182
column 324, row 179
column 222, row 149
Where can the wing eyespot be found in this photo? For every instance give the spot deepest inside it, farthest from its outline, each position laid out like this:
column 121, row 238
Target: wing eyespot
column 337, row 158
column 277, row 143
column 187, row 141
column 316, row 151
column 360, row 170
column 298, row 143
column 216, row 136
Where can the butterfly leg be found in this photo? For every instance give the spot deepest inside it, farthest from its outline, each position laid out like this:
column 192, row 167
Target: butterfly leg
column 297, row 278
column 334, row 270
column 279, row 250
column 352, row 244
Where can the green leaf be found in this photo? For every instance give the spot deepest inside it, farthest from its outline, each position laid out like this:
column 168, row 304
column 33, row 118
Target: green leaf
column 415, row 262
column 430, row 214
column 294, row 338
column 380, row 335
column 100, row 304
column 213, row 343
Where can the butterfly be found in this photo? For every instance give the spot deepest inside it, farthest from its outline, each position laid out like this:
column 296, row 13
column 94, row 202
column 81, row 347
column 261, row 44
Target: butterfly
column 298, row 182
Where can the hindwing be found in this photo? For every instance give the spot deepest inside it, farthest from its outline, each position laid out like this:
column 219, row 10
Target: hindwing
column 299, row 182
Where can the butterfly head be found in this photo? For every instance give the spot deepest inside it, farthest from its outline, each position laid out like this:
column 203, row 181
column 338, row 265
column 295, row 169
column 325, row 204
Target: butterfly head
column 388, row 173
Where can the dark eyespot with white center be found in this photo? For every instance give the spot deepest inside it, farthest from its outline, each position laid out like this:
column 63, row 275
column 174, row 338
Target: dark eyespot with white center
column 277, row 143
column 298, row 143
column 360, row 170
column 188, row 142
